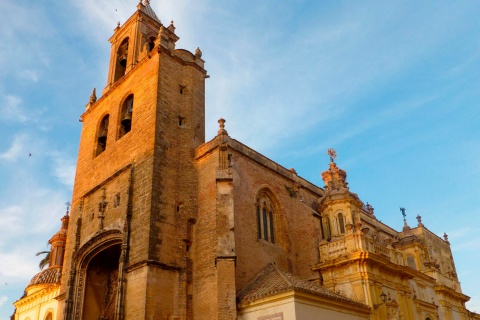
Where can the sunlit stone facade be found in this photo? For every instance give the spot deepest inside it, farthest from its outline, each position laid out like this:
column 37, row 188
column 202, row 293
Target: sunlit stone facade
column 165, row 225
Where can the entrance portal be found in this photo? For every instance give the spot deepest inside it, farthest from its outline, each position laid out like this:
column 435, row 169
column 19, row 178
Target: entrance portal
column 101, row 285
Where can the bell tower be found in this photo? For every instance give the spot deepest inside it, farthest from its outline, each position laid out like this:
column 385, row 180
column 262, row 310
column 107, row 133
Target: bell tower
column 134, row 201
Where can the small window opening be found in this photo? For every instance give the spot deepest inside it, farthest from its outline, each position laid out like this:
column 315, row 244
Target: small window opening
column 183, row 89
column 341, row 223
column 411, row 262
column 181, row 121
column 151, row 43
column 116, row 200
column 328, row 232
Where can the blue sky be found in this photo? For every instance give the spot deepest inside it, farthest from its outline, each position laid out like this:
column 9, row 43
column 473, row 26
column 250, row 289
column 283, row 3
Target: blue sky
column 392, row 86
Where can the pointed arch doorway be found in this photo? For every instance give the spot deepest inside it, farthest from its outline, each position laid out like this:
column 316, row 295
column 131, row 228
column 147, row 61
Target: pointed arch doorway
column 101, row 284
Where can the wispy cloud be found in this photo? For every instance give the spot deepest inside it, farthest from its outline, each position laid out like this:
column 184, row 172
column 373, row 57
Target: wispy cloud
column 3, row 299
column 64, row 168
column 29, row 75
column 16, row 148
column 11, row 109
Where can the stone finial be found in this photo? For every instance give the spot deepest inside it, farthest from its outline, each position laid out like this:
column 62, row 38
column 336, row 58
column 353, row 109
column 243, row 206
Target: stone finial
column 369, row 208
column 171, row 27
column 93, row 96
column 117, row 27
column 146, row 2
column 198, row 53
column 445, row 237
column 419, row 219
column 222, row 130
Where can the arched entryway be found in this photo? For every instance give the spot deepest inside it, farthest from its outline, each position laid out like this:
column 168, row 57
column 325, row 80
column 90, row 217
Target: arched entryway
column 101, row 284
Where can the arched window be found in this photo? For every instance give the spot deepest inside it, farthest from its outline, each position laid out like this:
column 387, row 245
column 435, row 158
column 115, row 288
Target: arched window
column 126, row 116
column 102, row 135
column 49, row 316
column 265, row 218
column 121, row 63
column 150, row 43
column 327, row 231
column 341, row 223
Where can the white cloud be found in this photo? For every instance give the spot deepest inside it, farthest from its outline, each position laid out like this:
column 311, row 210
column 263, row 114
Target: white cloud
column 64, row 168
column 15, row 150
column 29, row 75
column 17, row 266
column 3, row 299
column 11, row 109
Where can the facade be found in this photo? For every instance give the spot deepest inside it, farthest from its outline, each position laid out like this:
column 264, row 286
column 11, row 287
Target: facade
column 39, row 299
column 165, row 225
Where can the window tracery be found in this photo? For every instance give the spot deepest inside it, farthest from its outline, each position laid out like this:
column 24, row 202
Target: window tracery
column 265, row 218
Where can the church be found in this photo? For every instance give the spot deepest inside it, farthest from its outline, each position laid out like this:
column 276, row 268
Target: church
column 166, row 225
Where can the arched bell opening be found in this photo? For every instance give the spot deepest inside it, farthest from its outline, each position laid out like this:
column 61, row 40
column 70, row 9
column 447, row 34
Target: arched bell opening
column 126, row 116
column 150, row 43
column 101, row 284
column 121, row 63
column 102, row 135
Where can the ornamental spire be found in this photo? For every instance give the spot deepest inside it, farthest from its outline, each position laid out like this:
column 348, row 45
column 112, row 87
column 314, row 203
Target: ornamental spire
column 334, row 178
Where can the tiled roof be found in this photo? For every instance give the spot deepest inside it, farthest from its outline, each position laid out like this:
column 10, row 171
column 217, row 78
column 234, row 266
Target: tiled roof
column 149, row 11
column 271, row 281
column 45, row 276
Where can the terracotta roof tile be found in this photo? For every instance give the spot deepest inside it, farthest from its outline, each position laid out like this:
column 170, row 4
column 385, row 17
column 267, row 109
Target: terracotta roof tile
column 271, row 281
column 45, row 276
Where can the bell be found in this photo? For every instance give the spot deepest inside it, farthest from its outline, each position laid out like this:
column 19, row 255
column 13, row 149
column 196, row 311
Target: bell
column 123, row 60
column 122, row 54
column 127, row 121
column 102, row 138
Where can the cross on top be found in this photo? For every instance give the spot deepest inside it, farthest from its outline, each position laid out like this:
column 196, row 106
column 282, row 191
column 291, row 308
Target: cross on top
column 402, row 209
column 332, row 153
column 68, row 204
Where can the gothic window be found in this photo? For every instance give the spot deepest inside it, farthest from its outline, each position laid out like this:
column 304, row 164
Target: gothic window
column 341, row 223
column 126, row 116
column 265, row 218
column 49, row 316
column 102, row 135
column 121, row 63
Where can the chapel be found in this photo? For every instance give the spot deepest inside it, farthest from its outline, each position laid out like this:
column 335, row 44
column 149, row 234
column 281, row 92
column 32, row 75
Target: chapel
column 166, row 225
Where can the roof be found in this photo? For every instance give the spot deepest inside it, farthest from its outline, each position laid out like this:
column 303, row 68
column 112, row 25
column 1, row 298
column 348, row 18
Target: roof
column 149, row 11
column 272, row 281
column 46, row 276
